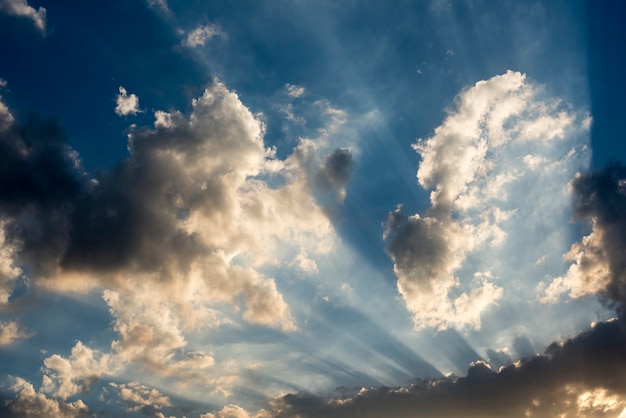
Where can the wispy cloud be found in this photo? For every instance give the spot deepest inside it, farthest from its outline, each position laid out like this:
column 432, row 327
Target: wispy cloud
column 200, row 35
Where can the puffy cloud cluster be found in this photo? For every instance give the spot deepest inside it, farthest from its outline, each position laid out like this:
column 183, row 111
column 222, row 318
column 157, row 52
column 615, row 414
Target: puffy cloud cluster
column 30, row 403
column 599, row 265
column 65, row 377
column 141, row 398
column 126, row 104
column 21, row 8
column 188, row 222
column 490, row 165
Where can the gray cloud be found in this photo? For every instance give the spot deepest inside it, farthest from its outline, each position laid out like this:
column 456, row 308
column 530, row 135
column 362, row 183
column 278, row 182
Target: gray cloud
column 580, row 377
column 600, row 197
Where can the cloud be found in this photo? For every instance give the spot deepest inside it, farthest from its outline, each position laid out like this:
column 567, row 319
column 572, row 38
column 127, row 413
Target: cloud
column 21, row 8
column 579, row 377
column 141, row 397
column 127, row 104
column 477, row 166
column 65, row 377
column 598, row 259
column 30, row 403
column 11, row 331
column 178, row 236
column 294, row 90
column 235, row 411
column 161, row 4
column 200, row 35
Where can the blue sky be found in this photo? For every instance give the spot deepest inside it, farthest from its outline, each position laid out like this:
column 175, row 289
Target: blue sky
column 237, row 209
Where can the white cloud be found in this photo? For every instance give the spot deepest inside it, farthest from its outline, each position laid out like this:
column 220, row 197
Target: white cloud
column 65, row 377
column 141, row 396
column 187, row 228
column 235, row 411
column 8, row 268
column 588, row 274
column 21, row 8
column 127, row 104
column 29, row 403
column 483, row 198
column 294, row 90
column 12, row 331
column 200, row 35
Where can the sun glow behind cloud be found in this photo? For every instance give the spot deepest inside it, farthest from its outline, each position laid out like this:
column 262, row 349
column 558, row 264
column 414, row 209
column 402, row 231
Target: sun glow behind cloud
column 502, row 156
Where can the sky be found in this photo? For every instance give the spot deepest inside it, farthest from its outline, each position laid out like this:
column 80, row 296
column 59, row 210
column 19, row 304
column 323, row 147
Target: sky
column 299, row 208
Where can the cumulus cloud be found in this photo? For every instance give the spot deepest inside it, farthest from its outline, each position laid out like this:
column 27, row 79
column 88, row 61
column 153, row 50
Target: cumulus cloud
column 476, row 165
column 141, row 398
column 598, row 259
column 190, row 221
column 11, row 331
column 21, row 8
column 65, row 377
column 126, row 104
column 579, row 377
column 200, row 35
column 30, row 403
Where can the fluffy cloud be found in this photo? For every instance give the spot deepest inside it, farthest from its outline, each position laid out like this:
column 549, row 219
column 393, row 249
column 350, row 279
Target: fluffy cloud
column 235, row 411
column 126, row 104
column 190, row 221
column 12, row 331
column 477, row 165
column 30, row 403
column 65, row 377
column 598, row 259
column 141, row 398
column 21, row 8
column 200, row 35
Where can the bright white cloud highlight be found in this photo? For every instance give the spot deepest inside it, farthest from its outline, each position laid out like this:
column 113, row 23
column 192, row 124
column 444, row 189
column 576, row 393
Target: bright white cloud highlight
column 127, row 104
column 504, row 154
column 21, row 8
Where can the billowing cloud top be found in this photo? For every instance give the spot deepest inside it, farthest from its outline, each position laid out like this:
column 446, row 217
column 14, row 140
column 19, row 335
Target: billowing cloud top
column 187, row 221
column 504, row 140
